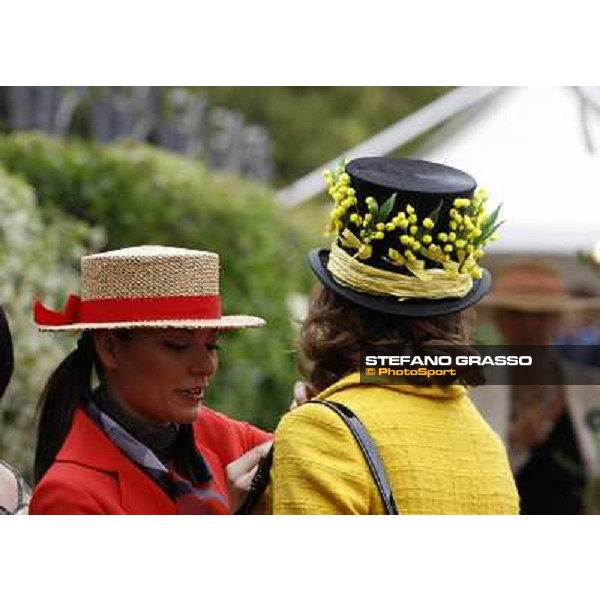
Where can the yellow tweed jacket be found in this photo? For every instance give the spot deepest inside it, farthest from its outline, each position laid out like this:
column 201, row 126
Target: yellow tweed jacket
column 440, row 455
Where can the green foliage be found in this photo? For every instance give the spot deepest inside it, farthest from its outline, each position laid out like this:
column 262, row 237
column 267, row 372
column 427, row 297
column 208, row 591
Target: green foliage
column 489, row 227
column 141, row 195
column 311, row 125
column 36, row 260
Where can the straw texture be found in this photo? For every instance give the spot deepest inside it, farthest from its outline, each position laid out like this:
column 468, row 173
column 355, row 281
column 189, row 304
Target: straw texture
column 153, row 272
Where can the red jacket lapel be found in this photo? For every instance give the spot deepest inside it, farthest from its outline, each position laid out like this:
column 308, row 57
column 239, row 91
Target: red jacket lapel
column 88, row 446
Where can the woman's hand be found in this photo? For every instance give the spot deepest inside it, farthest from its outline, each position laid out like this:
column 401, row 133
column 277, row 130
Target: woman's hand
column 241, row 471
column 303, row 392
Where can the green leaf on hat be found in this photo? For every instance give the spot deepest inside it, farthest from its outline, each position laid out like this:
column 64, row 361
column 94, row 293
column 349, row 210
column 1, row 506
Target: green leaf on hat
column 493, row 229
column 434, row 214
column 489, row 226
column 386, row 208
column 341, row 166
column 373, row 208
column 490, row 221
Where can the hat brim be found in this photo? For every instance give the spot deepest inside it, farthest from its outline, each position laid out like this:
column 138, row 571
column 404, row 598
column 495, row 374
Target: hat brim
column 385, row 304
column 225, row 322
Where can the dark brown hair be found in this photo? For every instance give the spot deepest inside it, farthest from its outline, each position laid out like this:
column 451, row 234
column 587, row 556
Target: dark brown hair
column 336, row 330
column 68, row 388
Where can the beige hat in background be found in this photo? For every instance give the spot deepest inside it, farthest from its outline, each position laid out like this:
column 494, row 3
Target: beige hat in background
column 145, row 286
column 536, row 288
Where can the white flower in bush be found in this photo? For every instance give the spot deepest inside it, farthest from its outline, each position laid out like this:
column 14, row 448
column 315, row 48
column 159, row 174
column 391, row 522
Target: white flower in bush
column 37, row 258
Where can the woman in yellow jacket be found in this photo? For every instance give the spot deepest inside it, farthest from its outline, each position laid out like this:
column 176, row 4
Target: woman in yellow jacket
column 401, row 271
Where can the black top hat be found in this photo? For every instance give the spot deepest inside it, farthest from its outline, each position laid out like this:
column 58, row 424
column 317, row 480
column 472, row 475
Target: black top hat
column 409, row 234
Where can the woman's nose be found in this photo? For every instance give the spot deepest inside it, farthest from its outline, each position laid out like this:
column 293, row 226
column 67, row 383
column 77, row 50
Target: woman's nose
column 204, row 362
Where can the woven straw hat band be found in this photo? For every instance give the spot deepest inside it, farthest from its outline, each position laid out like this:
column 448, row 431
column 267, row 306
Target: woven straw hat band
column 145, row 273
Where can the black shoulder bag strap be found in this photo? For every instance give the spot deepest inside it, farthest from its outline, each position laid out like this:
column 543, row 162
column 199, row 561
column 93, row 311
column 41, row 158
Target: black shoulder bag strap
column 365, row 443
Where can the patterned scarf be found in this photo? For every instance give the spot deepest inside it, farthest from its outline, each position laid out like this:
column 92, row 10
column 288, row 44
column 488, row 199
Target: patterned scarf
column 198, row 499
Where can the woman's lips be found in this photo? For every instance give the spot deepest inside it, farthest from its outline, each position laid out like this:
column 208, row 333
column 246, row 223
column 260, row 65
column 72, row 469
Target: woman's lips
column 195, row 394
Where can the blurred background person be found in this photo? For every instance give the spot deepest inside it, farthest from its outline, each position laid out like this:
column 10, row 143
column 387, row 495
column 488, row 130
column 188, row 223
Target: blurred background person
column 580, row 340
column 546, row 416
column 14, row 492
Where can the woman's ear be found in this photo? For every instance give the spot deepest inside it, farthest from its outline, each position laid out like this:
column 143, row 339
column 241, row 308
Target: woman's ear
column 105, row 343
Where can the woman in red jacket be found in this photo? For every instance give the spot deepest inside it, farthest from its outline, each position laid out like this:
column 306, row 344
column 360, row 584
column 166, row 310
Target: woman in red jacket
column 140, row 442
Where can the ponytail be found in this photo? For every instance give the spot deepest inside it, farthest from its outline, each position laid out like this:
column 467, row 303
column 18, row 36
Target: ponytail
column 67, row 389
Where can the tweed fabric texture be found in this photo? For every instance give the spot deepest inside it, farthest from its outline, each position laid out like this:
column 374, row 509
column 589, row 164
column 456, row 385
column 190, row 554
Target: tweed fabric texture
column 440, row 455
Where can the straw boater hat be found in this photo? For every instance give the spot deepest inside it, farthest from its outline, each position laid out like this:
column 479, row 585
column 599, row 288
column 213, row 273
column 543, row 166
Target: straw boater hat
column 145, row 286
column 534, row 287
column 408, row 237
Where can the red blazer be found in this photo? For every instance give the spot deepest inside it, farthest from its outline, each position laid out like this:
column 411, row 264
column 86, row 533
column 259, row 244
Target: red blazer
column 92, row 476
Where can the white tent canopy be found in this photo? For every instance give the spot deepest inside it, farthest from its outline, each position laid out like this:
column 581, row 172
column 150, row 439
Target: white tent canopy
column 537, row 151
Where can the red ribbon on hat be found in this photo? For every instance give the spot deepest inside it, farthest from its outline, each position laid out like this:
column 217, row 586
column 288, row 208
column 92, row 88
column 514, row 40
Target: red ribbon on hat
column 124, row 310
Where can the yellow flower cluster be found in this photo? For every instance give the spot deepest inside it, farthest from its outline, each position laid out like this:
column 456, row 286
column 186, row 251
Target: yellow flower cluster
column 344, row 197
column 458, row 249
